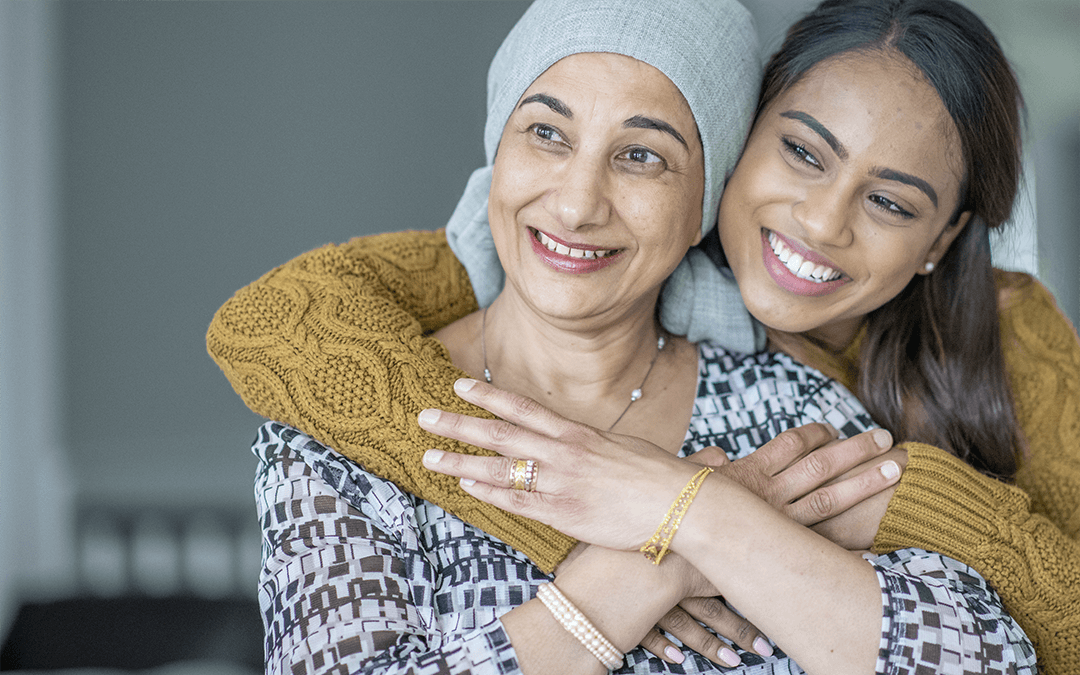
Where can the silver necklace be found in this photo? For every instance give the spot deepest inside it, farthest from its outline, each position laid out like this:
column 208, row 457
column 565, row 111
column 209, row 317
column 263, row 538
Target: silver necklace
column 634, row 395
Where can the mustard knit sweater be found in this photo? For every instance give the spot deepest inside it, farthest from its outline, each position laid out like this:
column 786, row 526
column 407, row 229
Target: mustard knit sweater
column 335, row 343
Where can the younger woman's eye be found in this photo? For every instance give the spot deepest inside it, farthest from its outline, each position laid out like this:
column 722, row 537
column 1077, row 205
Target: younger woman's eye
column 800, row 153
column 890, row 207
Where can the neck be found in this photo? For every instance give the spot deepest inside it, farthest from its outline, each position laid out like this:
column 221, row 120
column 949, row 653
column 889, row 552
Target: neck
column 582, row 370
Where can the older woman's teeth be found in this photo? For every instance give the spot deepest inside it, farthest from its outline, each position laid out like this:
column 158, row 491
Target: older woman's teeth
column 799, row 266
column 562, row 249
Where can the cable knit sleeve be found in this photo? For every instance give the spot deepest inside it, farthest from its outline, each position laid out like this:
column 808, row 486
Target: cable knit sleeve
column 1025, row 539
column 335, row 343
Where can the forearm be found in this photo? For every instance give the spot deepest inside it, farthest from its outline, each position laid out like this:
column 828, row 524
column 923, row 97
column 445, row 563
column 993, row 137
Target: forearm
column 1032, row 563
column 820, row 603
column 620, row 593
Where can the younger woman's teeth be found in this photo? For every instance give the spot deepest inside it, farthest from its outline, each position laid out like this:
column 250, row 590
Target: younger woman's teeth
column 562, row 249
column 799, row 266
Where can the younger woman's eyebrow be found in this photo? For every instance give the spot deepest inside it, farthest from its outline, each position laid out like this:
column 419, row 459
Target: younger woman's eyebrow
column 557, row 106
column 642, row 122
column 819, row 129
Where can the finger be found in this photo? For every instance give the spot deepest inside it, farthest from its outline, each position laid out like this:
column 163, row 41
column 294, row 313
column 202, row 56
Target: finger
column 710, row 456
column 494, row 471
column 791, row 445
column 494, row 435
column 822, row 465
column 662, row 648
column 835, row 498
column 685, row 628
column 514, row 408
column 714, row 613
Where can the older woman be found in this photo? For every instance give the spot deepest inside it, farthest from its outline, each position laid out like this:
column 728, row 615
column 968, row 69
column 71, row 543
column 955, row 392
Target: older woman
column 596, row 192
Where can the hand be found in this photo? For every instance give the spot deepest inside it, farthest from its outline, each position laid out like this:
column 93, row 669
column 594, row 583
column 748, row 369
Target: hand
column 835, row 488
column 856, row 527
column 584, row 475
column 684, row 622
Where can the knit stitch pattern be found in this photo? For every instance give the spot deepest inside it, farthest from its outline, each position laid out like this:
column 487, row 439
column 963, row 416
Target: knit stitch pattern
column 334, row 343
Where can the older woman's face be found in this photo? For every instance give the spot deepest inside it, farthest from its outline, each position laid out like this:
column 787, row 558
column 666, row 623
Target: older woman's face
column 597, row 187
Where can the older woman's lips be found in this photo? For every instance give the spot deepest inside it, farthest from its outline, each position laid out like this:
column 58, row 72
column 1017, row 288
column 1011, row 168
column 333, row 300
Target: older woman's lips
column 572, row 258
column 797, row 270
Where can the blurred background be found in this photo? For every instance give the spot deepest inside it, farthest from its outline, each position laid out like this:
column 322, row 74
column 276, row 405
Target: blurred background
column 154, row 158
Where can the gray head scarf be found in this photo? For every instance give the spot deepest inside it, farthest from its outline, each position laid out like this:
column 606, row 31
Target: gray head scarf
column 708, row 49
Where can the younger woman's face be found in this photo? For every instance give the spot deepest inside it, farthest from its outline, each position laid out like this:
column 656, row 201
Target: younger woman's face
column 844, row 192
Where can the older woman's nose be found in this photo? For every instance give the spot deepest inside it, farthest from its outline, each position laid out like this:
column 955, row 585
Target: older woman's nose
column 823, row 214
column 580, row 196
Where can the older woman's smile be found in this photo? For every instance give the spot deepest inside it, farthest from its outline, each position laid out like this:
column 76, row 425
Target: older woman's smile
column 576, row 259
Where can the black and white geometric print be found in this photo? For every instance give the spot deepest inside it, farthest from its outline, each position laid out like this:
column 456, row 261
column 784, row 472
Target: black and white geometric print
column 361, row 577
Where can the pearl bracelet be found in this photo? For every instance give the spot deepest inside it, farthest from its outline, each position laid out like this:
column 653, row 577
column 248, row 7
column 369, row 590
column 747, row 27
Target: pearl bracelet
column 577, row 625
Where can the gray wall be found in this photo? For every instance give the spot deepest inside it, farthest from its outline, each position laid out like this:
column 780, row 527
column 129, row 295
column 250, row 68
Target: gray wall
column 185, row 148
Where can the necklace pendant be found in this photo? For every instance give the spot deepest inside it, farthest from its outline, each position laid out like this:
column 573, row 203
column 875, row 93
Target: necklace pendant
column 635, row 395
column 487, row 375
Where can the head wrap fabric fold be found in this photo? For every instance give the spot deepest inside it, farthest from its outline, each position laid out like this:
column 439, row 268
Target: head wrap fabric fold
column 708, row 49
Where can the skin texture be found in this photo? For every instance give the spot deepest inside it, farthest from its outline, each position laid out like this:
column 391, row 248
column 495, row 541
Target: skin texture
column 850, row 204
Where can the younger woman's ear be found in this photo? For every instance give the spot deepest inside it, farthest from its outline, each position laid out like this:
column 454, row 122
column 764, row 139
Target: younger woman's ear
column 944, row 241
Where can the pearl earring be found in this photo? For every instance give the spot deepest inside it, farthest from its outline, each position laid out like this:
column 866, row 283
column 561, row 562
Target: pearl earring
column 929, row 267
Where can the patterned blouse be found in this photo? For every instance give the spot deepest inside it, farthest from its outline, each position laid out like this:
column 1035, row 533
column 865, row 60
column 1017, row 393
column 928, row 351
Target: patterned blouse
column 361, row 577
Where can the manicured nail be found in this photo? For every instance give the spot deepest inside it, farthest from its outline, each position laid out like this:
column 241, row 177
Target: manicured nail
column 762, row 647
column 467, row 482
column 428, row 416
column 882, row 438
column 432, row 457
column 464, row 384
column 674, row 654
column 730, row 658
column 832, row 429
column 869, row 557
column 890, row 470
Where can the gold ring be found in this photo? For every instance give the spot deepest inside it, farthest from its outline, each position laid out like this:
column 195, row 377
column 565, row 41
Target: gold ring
column 523, row 474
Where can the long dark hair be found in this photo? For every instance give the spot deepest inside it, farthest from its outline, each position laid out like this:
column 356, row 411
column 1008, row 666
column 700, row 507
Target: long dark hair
column 931, row 367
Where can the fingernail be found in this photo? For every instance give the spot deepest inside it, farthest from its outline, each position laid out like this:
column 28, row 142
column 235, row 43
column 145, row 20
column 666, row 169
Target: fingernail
column 890, row 470
column 730, row 658
column 464, row 384
column 762, row 647
column 428, row 416
column 467, row 482
column 432, row 457
column 674, row 654
column 882, row 438
column 832, row 429
column 869, row 557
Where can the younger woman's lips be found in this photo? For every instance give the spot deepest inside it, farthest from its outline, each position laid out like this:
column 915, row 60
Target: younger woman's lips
column 788, row 281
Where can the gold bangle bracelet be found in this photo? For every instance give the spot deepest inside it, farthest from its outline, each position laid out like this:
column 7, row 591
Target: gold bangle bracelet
column 657, row 547
column 575, row 623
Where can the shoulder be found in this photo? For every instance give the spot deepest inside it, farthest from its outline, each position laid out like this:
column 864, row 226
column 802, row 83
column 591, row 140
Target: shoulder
column 1031, row 323
column 290, row 459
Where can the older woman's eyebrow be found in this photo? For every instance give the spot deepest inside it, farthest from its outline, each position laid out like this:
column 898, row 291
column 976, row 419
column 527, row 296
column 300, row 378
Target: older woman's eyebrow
column 642, row 122
column 819, row 129
column 907, row 179
column 557, row 106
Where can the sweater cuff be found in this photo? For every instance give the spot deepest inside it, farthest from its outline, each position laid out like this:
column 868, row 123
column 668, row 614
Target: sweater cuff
column 942, row 504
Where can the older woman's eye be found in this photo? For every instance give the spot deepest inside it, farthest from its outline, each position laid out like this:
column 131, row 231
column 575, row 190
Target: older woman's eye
column 546, row 133
column 641, row 160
